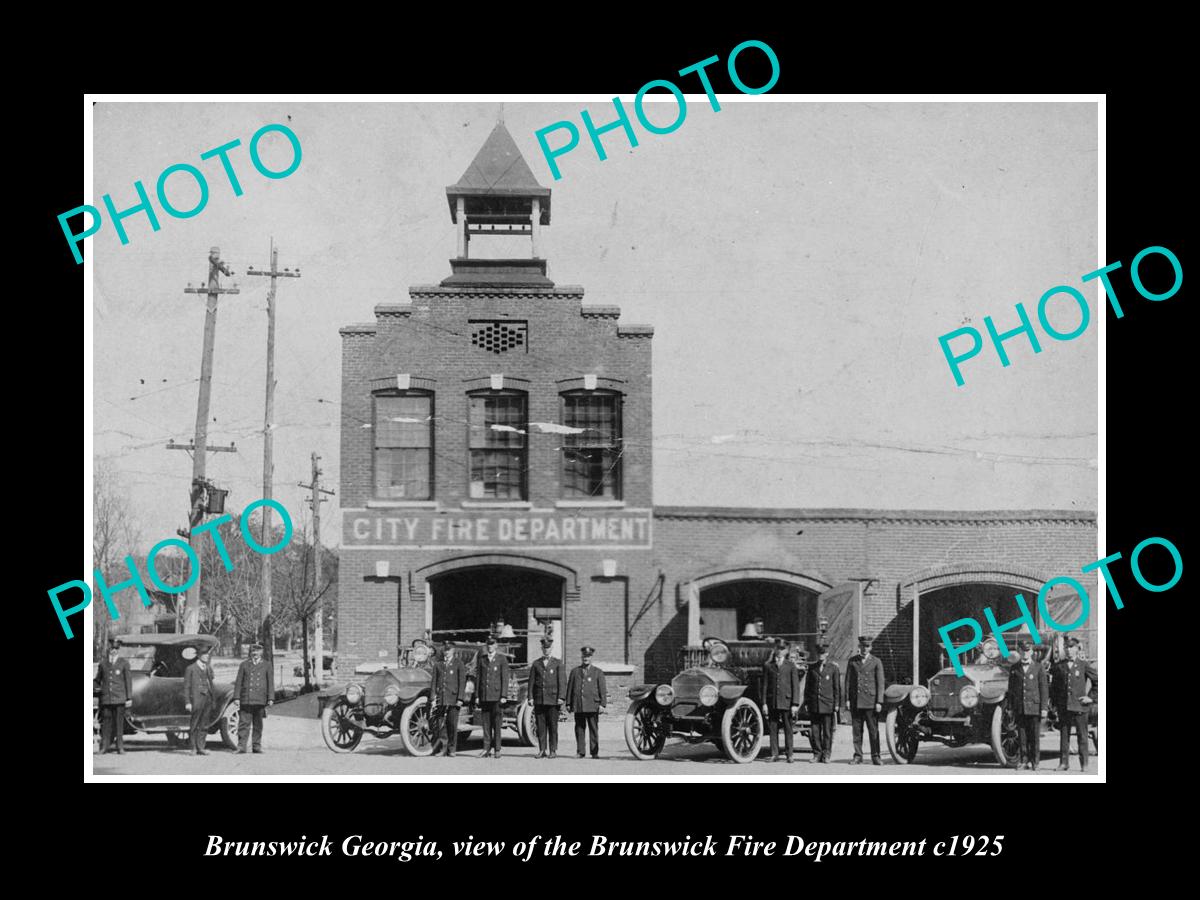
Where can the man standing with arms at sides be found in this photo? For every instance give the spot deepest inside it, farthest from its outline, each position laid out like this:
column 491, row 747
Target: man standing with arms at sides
column 1071, row 702
column 864, row 693
column 253, row 691
column 446, row 698
column 822, row 696
column 587, row 697
column 1029, row 698
column 197, row 694
column 781, row 698
column 547, row 692
column 491, row 692
column 116, row 695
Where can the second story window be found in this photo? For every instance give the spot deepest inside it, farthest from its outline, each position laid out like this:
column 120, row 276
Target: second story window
column 591, row 459
column 403, row 446
column 498, row 446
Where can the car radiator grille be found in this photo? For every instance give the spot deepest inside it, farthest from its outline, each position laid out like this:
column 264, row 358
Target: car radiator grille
column 943, row 699
column 687, row 686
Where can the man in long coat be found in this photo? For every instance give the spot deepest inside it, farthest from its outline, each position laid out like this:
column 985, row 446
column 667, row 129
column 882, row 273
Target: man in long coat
column 864, row 693
column 822, row 697
column 115, row 682
column 491, row 693
column 586, row 698
column 547, row 693
column 446, row 695
column 254, row 691
column 781, row 698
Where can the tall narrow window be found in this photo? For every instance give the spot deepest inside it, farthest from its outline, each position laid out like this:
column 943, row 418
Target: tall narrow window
column 403, row 446
column 497, row 445
column 592, row 457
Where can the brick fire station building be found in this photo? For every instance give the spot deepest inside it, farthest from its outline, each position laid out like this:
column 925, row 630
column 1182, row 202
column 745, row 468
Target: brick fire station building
column 496, row 461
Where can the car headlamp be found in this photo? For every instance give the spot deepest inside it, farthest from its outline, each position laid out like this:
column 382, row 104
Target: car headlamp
column 708, row 695
column 718, row 654
column 664, row 694
column 392, row 695
column 969, row 696
column 919, row 696
column 354, row 694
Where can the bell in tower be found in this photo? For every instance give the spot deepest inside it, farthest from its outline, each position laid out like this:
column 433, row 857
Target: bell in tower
column 498, row 196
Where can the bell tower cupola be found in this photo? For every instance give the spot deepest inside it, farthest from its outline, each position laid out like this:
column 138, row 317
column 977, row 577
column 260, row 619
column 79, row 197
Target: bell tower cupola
column 498, row 196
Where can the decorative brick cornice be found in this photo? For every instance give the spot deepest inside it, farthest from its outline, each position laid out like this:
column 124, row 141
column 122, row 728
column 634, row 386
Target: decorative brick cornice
column 1082, row 519
column 595, row 311
column 635, row 331
column 433, row 291
column 393, row 310
column 358, row 330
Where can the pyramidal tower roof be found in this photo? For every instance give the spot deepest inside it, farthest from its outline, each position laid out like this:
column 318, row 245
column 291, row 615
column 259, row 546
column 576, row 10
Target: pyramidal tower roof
column 500, row 171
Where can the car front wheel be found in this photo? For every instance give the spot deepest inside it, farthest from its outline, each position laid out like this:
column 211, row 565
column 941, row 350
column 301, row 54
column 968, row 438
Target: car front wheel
column 903, row 738
column 527, row 725
column 416, row 728
column 1006, row 740
column 229, row 727
column 645, row 729
column 338, row 729
column 742, row 731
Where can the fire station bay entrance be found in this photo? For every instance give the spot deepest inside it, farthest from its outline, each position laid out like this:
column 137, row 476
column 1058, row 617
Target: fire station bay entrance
column 466, row 602
column 941, row 598
column 728, row 609
column 960, row 601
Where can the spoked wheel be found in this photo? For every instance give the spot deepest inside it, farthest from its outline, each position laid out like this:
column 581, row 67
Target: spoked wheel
column 338, row 729
column 742, row 731
column 903, row 736
column 229, row 727
column 418, row 728
column 527, row 725
column 645, row 730
column 1006, row 740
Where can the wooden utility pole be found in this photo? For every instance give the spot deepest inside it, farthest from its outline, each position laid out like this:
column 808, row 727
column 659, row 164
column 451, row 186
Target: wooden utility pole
column 269, row 446
column 198, row 495
column 315, row 502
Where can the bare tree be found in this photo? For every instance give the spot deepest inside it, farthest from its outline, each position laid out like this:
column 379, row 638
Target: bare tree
column 293, row 586
column 115, row 535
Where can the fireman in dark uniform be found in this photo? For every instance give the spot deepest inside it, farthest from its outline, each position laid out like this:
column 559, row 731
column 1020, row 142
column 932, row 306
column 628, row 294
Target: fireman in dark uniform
column 547, row 692
column 587, row 697
column 822, row 697
column 781, row 698
column 446, row 696
column 1071, row 702
column 864, row 693
column 491, row 693
column 254, row 691
column 1029, row 698
column 115, row 682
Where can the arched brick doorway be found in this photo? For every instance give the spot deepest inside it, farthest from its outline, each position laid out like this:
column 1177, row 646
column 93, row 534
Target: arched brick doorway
column 464, row 595
column 939, row 596
column 785, row 600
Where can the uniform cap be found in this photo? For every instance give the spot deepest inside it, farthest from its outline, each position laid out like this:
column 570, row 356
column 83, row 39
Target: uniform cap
column 1023, row 645
column 780, row 644
column 256, row 646
column 822, row 647
column 863, row 640
column 114, row 642
column 547, row 642
column 1072, row 642
column 491, row 640
column 588, row 651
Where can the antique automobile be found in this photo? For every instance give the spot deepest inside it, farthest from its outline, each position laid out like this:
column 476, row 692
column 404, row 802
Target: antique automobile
column 393, row 701
column 717, row 697
column 157, row 663
column 959, row 710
